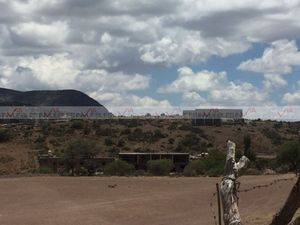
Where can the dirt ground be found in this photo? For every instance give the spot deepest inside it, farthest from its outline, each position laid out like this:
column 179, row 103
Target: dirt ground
column 133, row 201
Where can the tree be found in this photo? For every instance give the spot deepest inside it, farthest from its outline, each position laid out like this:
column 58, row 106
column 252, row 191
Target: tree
column 247, row 148
column 289, row 154
column 81, row 153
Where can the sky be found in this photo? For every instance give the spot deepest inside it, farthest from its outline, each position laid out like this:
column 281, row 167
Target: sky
column 143, row 53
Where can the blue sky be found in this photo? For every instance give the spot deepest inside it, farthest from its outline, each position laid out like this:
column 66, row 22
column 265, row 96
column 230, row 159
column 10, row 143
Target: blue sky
column 191, row 53
column 165, row 75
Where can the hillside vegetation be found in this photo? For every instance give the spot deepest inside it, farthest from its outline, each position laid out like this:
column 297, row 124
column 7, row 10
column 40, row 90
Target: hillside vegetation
column 21, row 143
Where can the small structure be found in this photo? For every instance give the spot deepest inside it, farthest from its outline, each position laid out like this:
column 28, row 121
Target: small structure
column 140, row 159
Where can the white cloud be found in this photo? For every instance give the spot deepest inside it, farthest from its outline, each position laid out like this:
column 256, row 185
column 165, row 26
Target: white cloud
column 291, row 98
column 105, row 38
column 238, row 94
column 277, row 59
column 218, row 88
column 42, row 34
column 101, row 80
column 188, row 48
column 193, row 99
column 273, row 81
column 188, row 81
column 57, row 71
column 129, row 100
column 61, row 72
column 174, row 33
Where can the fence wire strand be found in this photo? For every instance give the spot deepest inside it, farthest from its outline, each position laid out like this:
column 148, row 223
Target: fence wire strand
column 276, row 181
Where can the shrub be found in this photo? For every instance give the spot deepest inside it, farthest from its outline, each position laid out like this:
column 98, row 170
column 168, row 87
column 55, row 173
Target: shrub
column 113, row 151
column 196, row 130
column 171, row 141
column 157, row 134
column 195, row 168
column 119, row 168
column 126, row 131
column 77, row 124
column 5, row 135
column 289, row 154
column 148, row 136
column 40, row 139
column 212, row 166
column 108, row 142
column 159, row 167
column 106, row 132
column 87, row 129
column 262, row 164
column 273, row 135
column 6, row 159
column 46, row 128
column 45, row 170
column 190, row 140
column 121, row 143
column 247, row 148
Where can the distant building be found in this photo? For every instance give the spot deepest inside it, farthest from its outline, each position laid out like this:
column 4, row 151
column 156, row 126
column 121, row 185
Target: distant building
column 213, row 116
column 140, row 159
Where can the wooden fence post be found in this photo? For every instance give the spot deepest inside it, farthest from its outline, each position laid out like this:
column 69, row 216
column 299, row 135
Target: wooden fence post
column 228, row 189
column 219, row 205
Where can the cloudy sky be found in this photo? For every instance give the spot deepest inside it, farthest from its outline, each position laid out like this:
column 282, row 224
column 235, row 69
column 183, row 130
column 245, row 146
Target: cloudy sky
column 155, row 53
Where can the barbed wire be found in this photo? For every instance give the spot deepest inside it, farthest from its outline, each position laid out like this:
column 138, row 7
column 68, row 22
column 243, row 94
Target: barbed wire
column 275, row 181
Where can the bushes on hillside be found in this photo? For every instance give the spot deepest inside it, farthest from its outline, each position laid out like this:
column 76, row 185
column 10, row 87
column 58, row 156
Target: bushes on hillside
column 159, row 167
column 191, row 142
column 45, row 170
column 6, row 159
column 289, row 155
column 119, row 168
column 5, row 135
column 77, row 124
column 106, row 132
column 273, row 135
column 212, row 166
column 147, row 136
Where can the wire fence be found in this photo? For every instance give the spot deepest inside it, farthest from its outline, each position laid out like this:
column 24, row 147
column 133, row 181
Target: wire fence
column 213, row 198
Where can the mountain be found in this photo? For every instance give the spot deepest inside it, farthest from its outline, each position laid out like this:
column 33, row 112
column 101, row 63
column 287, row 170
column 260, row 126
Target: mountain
column 10, row 97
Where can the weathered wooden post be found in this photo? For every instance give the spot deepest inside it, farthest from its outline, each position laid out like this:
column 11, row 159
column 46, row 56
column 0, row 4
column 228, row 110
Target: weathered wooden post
column 229, row 184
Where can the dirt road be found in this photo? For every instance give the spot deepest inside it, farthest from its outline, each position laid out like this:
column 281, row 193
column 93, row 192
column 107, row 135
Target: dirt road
column 133, row 201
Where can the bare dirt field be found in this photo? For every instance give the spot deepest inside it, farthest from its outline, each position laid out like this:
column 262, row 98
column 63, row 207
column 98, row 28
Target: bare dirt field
column 133, row 201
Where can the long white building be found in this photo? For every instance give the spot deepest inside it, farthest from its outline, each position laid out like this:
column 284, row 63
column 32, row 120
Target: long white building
column 223, row 114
